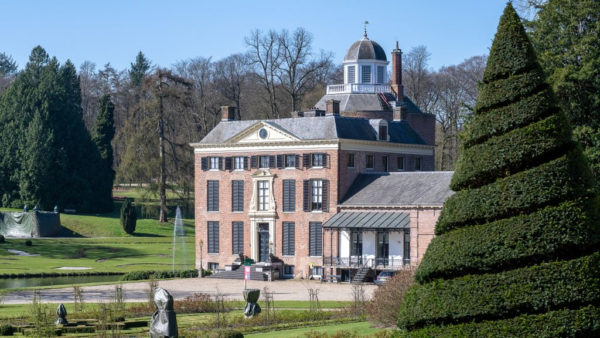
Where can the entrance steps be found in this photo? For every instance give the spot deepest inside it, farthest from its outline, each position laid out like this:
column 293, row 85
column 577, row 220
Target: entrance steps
column 361, row 275
column 239, row 274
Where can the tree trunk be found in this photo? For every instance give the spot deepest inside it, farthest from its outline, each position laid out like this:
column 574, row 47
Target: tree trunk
column 163, row 166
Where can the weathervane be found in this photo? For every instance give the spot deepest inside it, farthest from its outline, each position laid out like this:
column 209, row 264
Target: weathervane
column 366, row 23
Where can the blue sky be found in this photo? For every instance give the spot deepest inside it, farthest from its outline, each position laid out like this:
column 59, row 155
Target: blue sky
column 170, row 31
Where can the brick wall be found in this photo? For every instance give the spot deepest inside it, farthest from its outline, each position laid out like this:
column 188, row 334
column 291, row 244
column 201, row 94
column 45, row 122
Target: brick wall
column 225, row 216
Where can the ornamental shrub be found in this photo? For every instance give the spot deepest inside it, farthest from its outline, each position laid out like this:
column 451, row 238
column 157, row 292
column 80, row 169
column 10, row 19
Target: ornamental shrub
column 128, row 216
column 516, row 251
column 2, row 239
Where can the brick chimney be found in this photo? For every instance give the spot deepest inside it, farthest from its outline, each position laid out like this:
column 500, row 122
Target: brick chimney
column 227, row 113
column 397, row 86
column 332, row 107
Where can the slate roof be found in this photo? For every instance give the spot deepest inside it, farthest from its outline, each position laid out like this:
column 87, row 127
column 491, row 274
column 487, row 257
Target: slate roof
column 318, row 128
column 365, row 49
column 357, row 102
column 369, row 220
column 424, row 188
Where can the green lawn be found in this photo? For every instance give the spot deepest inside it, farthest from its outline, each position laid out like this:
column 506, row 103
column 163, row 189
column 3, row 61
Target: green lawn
column 358, row 328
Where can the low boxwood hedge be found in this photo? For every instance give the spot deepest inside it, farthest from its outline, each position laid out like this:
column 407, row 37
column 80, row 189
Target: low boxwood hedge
column 582, row 322
column 555, row 231
column 498, row 121
column 142, row 275
column 514, row 151
column 543, row 287
column 508, row 90
column 565, row 178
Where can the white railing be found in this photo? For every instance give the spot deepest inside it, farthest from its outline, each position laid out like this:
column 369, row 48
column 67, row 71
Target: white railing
column 349, row 88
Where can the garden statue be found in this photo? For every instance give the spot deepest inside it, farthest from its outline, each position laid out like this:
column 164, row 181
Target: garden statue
column 164, row 322
column 26, row 208
column 251, row 297
column 61, row 312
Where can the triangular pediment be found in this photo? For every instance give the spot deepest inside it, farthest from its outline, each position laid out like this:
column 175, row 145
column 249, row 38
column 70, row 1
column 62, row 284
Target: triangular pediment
column 263, row 132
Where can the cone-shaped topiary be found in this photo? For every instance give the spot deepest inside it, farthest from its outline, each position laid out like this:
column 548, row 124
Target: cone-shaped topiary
column 128, row 216
column 516, row 251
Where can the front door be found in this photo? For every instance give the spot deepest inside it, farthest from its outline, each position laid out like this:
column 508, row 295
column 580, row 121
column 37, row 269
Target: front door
column 263, row 242
column 383, row 248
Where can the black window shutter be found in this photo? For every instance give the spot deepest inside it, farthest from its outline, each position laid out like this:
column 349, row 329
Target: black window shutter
column 228, row 163
column 325, row 196
column 212, row 198
column 220, row 163
column 213, row 237
column 325, row 162
column 246, row 163
column 280, row 163
column 284, row 239
column 306, row 199
column 237, row 238
column 204, row 163
column 272, row 163
column 253, row 161
column 306, row 160
column 297, row 161
column 292, row 238
column 289, row 195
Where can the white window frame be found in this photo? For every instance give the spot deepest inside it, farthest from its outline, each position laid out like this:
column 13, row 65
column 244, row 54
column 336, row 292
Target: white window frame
column 213, row 163
column 238, row 163
column 263, row 195
column 260, row 161
column 316, row 195
column 285, row 159
column 369, row 72
column 314, row 160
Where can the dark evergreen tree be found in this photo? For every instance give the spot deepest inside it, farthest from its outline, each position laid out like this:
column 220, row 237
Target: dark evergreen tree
column 516, row 248
column 47, row 156
column 8, row 66
column 128, row 216
column 103, row 133
column 566, row 36
column 139, row 69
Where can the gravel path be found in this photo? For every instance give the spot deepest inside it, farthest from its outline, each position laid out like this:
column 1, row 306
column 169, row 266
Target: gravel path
column 181, row 288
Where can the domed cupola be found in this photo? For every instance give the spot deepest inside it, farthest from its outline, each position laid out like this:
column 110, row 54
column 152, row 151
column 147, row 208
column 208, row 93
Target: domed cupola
column 365, row 63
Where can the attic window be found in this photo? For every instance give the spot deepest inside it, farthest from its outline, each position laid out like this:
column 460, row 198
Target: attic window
column 366, row 74
column 380, row 72
column 383, row 133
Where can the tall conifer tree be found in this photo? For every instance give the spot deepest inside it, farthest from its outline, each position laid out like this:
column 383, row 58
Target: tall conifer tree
column 47, row 156
column 516, row 251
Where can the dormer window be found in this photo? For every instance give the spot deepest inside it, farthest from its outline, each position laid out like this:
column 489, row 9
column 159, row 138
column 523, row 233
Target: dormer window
column 383, row 133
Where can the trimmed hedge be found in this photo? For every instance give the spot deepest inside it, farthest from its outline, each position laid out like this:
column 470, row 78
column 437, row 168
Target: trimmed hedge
column 583, row 322
column 544, row 287
column 142, row 275
column 565, row 178
column 501, row 120
column 511, row 52
column 509, row 90
column 556, row 231
column 514, row 151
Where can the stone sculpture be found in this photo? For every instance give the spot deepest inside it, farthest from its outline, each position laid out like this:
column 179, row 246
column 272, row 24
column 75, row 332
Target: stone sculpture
column 164, row 321
column 61, row 313
column 251, row 297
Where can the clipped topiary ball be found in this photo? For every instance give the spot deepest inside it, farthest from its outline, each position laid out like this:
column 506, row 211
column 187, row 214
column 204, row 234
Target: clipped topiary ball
column 28, row 242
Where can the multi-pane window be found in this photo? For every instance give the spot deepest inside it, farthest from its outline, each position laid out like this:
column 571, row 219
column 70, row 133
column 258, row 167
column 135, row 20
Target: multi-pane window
column 264, row 162
column 370, row 162
column 289, row 195
column 356, row 243
column 366, row 74
column 289, row 239
column 263, row 195
column 213, row 162
column 317, row 194
column 237, row 195
column 400, row 160
column 318, row 160
column 212, row 195
column 315, row 240
column 350, row 160
column 213, row 266
column 417, row 163
column 213, row 237
column 237, row 233
column 288, row 270
column 290, row 161
column 238, row 163
column 380, row 72
column 351, row 74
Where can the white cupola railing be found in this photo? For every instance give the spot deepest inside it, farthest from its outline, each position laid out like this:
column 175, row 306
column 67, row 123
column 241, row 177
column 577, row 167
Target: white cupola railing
column 350, row 88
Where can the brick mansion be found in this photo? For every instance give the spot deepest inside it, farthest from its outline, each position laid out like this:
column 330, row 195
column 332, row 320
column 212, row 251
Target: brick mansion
column 344, row 189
